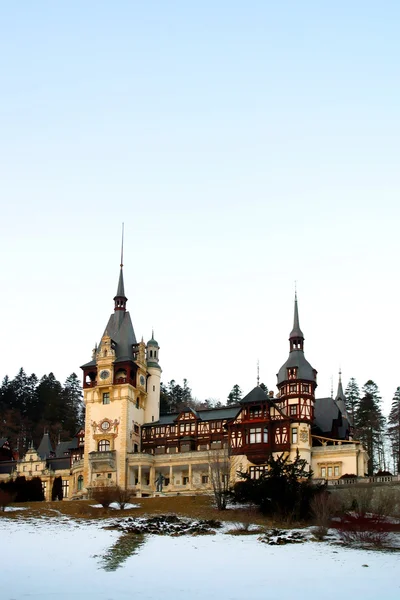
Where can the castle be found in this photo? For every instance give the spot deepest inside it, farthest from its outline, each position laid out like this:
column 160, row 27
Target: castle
column 127, row 442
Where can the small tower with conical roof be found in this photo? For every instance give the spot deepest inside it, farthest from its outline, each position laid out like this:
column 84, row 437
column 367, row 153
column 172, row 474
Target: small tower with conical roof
column 297, row 381
column 152, row 412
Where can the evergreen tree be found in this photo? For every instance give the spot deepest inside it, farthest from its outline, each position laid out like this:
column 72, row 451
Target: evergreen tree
column 234, row 396
column 57, row 490
column 393, row 429
column 370, row 426
column 352, row 394
column 73, row 401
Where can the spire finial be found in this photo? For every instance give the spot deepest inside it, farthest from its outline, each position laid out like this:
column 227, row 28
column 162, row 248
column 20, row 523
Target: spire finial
column 122, row 247
column 152, row 333
column 258, row 373
column 340, row 374
column 295, row 289
column 331, row 386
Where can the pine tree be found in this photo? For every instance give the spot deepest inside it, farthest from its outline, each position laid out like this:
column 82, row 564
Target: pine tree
column 393, row 429
column 73, row 400
column 234, row 396
column 370, row 426
column 352, row 394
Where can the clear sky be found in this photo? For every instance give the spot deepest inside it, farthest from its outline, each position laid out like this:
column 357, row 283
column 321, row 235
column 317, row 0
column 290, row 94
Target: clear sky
column 245, row 145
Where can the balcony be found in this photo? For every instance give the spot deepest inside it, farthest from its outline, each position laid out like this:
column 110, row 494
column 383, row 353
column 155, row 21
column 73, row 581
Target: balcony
column 99, row 461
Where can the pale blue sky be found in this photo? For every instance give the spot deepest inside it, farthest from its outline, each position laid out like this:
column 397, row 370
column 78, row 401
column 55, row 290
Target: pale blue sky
column 245, row 145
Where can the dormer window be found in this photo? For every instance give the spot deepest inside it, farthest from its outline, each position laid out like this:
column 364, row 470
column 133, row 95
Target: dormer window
column 292, row 373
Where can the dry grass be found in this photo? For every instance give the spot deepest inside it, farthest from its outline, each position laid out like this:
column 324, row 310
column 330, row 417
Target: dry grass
column 195, row 507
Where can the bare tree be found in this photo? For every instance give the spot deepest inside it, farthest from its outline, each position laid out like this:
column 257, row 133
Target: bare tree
column 220, row 475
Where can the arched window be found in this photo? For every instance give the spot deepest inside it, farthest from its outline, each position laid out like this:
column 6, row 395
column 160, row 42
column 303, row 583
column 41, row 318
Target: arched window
column 80, row 482
column 104, row 446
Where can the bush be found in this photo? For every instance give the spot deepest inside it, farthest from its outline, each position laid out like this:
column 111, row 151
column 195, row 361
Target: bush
column 284, row 491
column 368, row 518
column 5, row 499
column 104, row 495
column 24, row 490
column 122, row 497
column 324, row 506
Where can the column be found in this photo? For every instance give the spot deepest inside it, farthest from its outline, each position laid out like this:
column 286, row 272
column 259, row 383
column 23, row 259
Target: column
column 140, row 477
column 170, row 477
column 152, row 477
column 190, row 476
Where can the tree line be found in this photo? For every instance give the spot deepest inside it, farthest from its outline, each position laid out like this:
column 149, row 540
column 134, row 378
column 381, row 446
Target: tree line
column 29, row 406
column 379, row 435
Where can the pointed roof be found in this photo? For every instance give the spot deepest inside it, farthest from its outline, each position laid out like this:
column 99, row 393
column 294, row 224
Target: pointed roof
column 340, row 393
column 45, row 448
column 257, row 394
column 296, row 331
column 120, row 290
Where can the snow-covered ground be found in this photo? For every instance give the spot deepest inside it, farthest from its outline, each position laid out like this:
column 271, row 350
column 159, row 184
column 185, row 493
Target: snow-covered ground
column 64, row 559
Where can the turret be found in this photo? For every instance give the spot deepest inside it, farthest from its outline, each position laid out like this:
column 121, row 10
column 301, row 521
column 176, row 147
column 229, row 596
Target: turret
column 152, row 412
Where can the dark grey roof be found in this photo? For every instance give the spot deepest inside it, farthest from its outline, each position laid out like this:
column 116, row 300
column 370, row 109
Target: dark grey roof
column 121, row 290
column 63, row 447
column 257, row 394
column 296, row 331
column 58, row 464
column 326, row 412
column 45, row 448
column 211, row 414
column 7, row 466
column 304, row 369
column 120, row 330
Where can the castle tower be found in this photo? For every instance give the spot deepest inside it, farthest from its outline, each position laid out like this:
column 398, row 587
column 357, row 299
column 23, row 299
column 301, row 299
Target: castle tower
column 152, row 412
column 115, row 384
column 297, row 381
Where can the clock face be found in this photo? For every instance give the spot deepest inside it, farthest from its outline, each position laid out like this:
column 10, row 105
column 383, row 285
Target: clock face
column 104, row 374
column 142, row 380
column 105, row 425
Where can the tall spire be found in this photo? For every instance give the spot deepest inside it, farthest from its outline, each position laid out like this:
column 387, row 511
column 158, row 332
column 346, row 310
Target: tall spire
column 120, row 299
column 340, row 394
column 296, row 337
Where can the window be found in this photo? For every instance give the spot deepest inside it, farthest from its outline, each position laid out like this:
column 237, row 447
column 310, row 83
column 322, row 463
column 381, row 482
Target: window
column 185, row 480
column 37, row 467
column 256, row 412
column 306, row 388
column 336, row 471
column 44, row 487
column 137, row 402
column 151, row 353
column 80, row 483
column 293, row 409
column 265, row 435
column 204, row 479
column 292, row 388
column 104, row 446
column 109, row 475
column 329, row 471
column 256, row 472
column 154, row 388
column 294, row 435
column 323, row 471
column 65, row 488
column 255, row 435
column 106, row 398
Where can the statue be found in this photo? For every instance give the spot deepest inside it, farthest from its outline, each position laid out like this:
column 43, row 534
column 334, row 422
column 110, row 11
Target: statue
column 159, row 482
